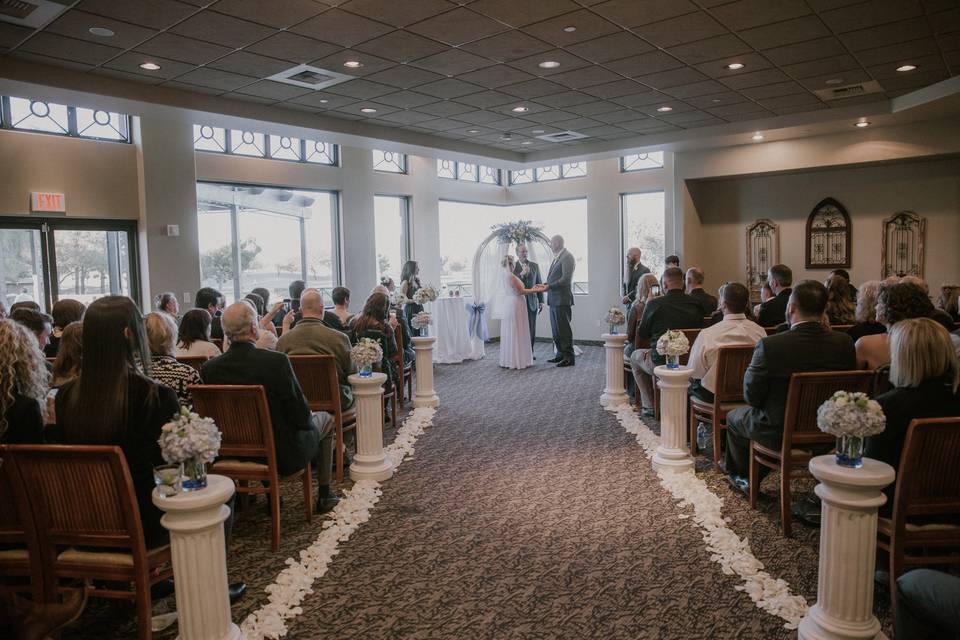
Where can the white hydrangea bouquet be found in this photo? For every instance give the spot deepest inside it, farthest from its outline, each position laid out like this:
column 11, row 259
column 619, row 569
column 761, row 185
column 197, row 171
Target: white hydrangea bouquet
column 614, row 319
column 366, row 353
column 673, row 344
column 421, row 322
column 193, row 442
column 425, row 295
column 851, row 417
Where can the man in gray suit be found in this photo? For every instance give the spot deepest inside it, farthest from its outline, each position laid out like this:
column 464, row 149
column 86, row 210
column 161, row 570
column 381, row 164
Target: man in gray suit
column 529, row 274
column 559, row 288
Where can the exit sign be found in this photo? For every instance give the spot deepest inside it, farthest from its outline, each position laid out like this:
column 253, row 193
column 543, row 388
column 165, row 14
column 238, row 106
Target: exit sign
column 42, row 201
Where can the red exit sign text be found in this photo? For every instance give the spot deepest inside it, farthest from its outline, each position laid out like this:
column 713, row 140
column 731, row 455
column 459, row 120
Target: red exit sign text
column 41, row 201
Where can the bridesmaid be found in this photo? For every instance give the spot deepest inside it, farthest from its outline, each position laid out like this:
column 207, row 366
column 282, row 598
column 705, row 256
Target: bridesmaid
column 409, row 285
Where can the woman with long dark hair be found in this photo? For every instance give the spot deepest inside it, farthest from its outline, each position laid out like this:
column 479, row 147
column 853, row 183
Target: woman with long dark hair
column 193, row 338
column 374, row 323
column 114, row 402
column 67, row 365
column 409, row 285
column 23, row 385
column 64, row 312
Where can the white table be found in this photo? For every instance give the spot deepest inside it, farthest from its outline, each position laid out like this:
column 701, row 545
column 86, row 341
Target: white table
column 454, row 343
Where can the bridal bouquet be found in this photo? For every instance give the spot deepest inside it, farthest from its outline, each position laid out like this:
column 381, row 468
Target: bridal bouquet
column 425, row 295
column 192, row 442
column 366, row 353
column 421, row 320
column 851, row 417
column 673, row 344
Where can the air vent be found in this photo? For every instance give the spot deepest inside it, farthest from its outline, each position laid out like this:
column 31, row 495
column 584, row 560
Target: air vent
column 30, row 13
column 849, row 91
column 561, row 136
column 310, row 77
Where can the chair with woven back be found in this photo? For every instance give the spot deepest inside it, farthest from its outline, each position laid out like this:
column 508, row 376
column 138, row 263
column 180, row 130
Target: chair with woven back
column 100, row 541
column 320, row 383
column 247, row 451
column 732, row 363
column 691, row 335
column 807, row 391
column 926, row 502
column 404, row 368
column 19, row 549
column 194, row 361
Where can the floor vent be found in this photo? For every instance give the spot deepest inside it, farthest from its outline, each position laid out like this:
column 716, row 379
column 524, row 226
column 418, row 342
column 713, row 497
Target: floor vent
column 30, row 13
column 561, row 136
column 310, row 77
column 849, row 91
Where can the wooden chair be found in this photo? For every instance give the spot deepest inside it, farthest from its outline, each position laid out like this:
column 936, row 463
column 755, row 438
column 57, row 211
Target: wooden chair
column 732, row 363
column 247, row 450
column 98, row 538
column 807, row 391
column 684, row 359
column 404, row 368
column 927, row 487
column 19, row 549
column 218, row 342
column 321, row 385
column 194, row 361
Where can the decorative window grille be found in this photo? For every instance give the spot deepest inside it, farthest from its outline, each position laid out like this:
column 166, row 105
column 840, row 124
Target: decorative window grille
column 468, row 172
column 573, row 169
column 262, row 145
column 42, row 116
column 828, row 236
column 763, row 251
column 389, row 161
column 641, row 161
column 902, row 250
column 247, row 143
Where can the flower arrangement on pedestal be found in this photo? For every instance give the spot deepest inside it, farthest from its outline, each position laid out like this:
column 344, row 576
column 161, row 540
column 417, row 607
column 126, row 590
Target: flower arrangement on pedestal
column 614, row 319
column 192, row 442
column 425, row 295
column 421, row 322
column 366, row 353
column 851, row 417
column 673, row 344
column 519, row 232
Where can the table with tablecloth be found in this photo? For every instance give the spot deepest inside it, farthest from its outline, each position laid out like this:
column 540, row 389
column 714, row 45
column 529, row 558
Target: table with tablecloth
column 457, row 340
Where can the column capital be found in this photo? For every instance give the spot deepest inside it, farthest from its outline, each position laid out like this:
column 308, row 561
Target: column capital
column 367, row 385
column 614, row 338
column 423, row 342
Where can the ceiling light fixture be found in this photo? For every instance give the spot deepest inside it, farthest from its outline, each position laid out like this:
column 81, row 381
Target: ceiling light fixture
column 862, row 124
column 473, row 131
column 526, row 142
column 103, row 32
column 353, row 64
column 716, row 100
column 150, row 66
column 536, row 131
column 734, row 66
column 834, row 81
column 757, row 137
column 520, row 109
column 664, row 109
column 906, row 67
column 506, row 136
column 324, row 101
column 368, row 110
column 569, row 29
column 549, row 64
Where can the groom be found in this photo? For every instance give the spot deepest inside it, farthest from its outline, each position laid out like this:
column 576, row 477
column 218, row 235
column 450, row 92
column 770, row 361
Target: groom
column 529, row 274
column 560, row 299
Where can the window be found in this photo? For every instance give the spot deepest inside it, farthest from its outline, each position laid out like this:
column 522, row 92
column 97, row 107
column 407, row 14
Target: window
column 389, row 161
column 641, row 161
column 262, row 145
column 391, row 233
column 468, row 172
column 548, row 173
column 642, row 216
column 266, row 237
column 542, row 174
column 521, row 176
column 464, row 225
column 24, row 114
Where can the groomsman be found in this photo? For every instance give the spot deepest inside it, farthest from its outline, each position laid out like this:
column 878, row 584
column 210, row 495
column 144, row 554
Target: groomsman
column 529, row 274
column 635, row 269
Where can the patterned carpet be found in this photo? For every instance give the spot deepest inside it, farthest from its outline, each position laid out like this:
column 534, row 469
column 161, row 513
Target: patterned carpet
column 527, row 512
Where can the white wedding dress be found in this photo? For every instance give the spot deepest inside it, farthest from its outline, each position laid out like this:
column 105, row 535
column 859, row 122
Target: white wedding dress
column 515, row 350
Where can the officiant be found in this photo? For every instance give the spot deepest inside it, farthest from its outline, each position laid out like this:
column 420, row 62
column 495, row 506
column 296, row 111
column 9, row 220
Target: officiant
column 529, row 274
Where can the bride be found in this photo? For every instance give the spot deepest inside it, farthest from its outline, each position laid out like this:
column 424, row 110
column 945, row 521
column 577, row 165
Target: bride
column 515, row 350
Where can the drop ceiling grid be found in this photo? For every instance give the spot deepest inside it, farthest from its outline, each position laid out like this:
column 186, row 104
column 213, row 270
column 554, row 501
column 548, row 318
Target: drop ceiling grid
column 683, row 39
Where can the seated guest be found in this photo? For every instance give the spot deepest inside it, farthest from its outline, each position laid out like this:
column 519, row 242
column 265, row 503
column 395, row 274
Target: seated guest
column 840, row 305
column 409, row 285
column 257, row 303
column 292, row 305
column 772, row 312
column 161, row 335
column 169, row 306
column 312, row 336
column 671, row 261
column 734, row 329
column 807, row 346
column 298, row 435
column 695, row 290
column 23, row 385
column 917, row 280
column 212, row 300
column 928, row 606
column 376, row 324
column 340, row 317
column 949, row 300
column 40, row 324
column 944, row 320
column 264, row 294
column 895, row 302
column 843, row 273
column 113, row 402
column 268, row 332
column 193, row 338
column 64, row 312
column 25, row 304
column 647, row 287
column 765, row 294
column 673, row 310
column 924, row 374
column 67, row 365
column 866, row 312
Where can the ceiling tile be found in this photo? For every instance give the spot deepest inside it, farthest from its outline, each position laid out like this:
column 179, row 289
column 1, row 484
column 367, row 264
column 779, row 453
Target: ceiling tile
column 216, row 79
column 603, row 129
column 382, row 110
column 680, row 30
column 718, row 68
column 724, row 111
column 672, row 78
column 588, row 76
column 510, row 124
column 406, row 99
column 446, row 108
column 593, row 108
column 396, row 13
column 615, row 117
column 449, row 88
column 946, row 21
column 755, row 79
column 612, row 47
column 340, row 27
column 924, row 64
column 126, row 75
column 519, row 14
column 496, row 76
column 567, row 62
column 478, row 117
column 804, row 51
column 565, row 99
column 545, row 117
column 323, row 100
column 11, row 34
column 690, row 117
column 853, row 76
column 174, row 47
column 746, row 116
column 220, row 29
column 576, row 124
column 644, row 63
column 130, row 63
column 710, row 49
column 870, row 13
column 787, row 32
column 192, row 88
column 892, row 33
column 836, row 64
column 361, row 89
column 615, row 89
column 638, row 126
column 406, row 117
column 452, row 62
column 715, row 100
column 401, row 46
column 915, row 81
column 507, row 46
column 49, row 44
column 588, row 26
column 470, row 131
column 404, row 76
column 789, row 101
column 487, row 99
column 702, row 88
column 903, row 51
column 371, row 64
column 278, row 15
column 533, row 88
column 458, row 27
column 633, row 13
column 677, row 106
column 290, row 46
column 642, row 99
column 442, row 124
column 772, row 90
column 250, row 64
column 77, row 24
column 274, row 90
column 746, row 14
column 153, row 14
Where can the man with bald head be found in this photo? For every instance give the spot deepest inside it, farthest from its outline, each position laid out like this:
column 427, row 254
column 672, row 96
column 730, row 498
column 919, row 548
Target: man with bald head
column 559, row 288
column 299, row 436
column 695, row 290
column 635, row 269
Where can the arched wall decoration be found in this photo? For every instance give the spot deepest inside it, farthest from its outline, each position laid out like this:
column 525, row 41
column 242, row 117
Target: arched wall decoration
column 902, row 251
column 828, row 236
column 763, row 251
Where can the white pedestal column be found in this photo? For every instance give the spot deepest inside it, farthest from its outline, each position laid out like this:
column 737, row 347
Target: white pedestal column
column 195, row 521
column 672, row 454
column 425, row 396
column 370, row 462
column 848, row 539
column 614, row 394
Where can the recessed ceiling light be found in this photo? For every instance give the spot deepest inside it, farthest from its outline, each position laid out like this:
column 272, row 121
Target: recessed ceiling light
column 834, row 81
column 716, row 100
column 368, row 110
column 733, row 66
column 536, row 131
column 906, row 67
column 862, row 124
column 520, row 109
column 757, row 137
column 353, row 64
column 664, row 109
column 569, row 29
column 549, row 64
column 324, row 101
column 150, row 66
column 506, row 136
column 473, row 131
column 526, row 142
column 103, row 32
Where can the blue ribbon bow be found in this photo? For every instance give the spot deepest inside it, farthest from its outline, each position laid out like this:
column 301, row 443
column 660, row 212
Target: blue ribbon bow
column 476, row 322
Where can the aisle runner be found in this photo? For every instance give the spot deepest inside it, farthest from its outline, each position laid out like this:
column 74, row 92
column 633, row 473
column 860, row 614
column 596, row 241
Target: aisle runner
column 727, row 549
column 295, row 582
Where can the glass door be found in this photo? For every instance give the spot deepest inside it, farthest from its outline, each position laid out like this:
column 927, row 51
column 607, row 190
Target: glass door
column 21, row 266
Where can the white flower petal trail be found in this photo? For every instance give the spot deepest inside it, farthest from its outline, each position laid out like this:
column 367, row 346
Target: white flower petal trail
column 295, row 583
column 732, row 553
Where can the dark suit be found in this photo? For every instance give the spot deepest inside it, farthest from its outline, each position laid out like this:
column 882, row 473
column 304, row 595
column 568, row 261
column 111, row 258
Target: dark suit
column 773, row 312
column 707, row 302
column 630, row 288
column 534, row 300
column 216, row 327
column 298, row 435
column 560, row 299
column 808, row 346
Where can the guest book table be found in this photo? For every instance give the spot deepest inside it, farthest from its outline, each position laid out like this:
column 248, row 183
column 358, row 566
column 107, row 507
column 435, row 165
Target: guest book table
column 456, row 341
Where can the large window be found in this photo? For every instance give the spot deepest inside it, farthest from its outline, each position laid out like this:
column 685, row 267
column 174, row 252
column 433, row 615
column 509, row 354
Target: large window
column 266, row 237
column 25, row 114
column 548, row 173
column 643, row 226
column 263, row 145
column 464, row 225
column 391, row 233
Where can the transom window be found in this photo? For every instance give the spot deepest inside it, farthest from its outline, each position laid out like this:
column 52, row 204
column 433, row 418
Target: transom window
column 389, row 161
column 263, row 145
column 641, row 161
column 24, row 114
column 548, row 173
column 468, row 172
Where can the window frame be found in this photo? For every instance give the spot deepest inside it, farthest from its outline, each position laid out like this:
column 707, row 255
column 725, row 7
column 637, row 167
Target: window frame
column 267, row 153
column 622, row 196
column 622, row 162
column 476, row 176
column 562, row 169
column 6, row 122
column 406, row 228
column 403, row 163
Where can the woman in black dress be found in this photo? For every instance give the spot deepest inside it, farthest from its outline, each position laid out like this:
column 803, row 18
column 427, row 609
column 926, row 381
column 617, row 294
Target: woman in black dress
column 409, row 285
column 374, row 323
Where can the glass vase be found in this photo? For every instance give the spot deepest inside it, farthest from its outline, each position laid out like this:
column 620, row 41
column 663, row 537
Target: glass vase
column 194, row 475
column 366, row 370
column 673, row 362
column 613, row 329
column 850, row 451
column 425, row 331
